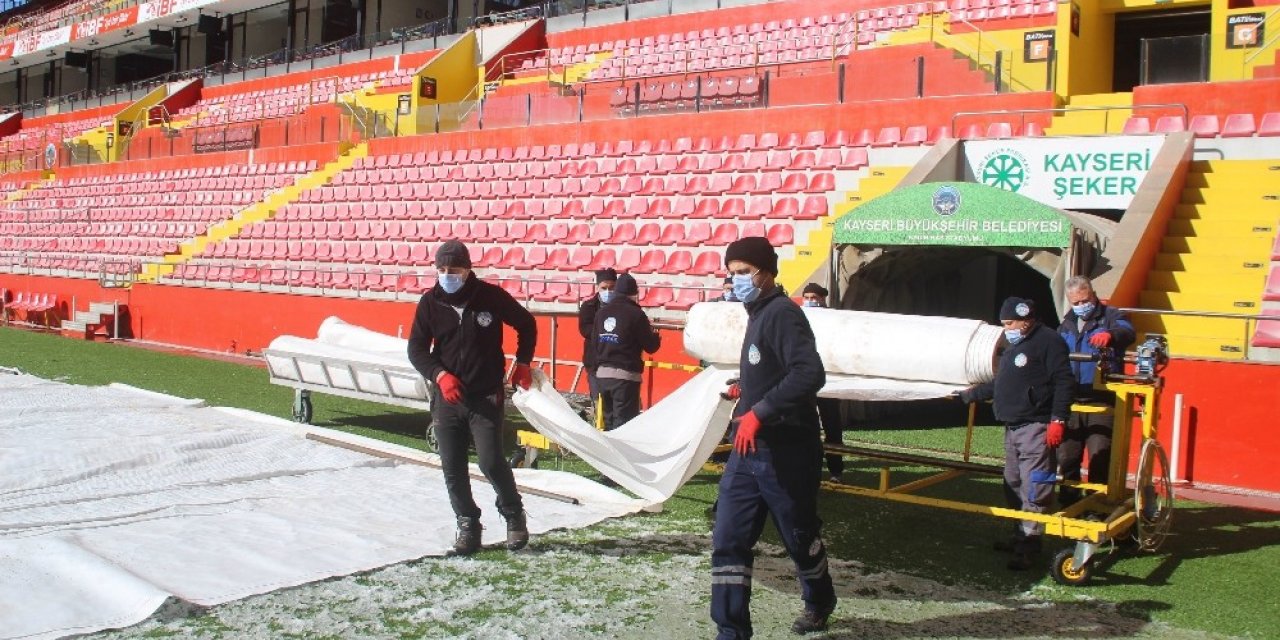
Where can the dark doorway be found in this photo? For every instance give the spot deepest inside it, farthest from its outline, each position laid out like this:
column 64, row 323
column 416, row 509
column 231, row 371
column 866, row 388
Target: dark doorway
column 1160, row 47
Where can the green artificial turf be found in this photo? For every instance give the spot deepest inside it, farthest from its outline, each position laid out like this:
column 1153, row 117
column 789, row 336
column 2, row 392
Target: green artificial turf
column 1218, row 572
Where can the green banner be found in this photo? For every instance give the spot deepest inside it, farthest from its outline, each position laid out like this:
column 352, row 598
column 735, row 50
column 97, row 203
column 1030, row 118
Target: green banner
column 961, row 214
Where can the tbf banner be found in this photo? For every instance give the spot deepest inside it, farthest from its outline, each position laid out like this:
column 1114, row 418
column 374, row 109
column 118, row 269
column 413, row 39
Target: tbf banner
column 1066, row 173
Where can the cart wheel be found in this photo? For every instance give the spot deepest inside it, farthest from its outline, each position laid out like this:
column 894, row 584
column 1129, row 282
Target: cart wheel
column 1152, row 497
column 433, row 445
column 1065, row 572
column 302, row 409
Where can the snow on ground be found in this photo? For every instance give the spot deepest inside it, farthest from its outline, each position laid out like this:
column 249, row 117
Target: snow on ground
column 643, row 578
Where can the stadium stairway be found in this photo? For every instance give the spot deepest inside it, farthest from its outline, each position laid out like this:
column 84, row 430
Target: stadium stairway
column 1215, row 257
column 1093, row 121
column 17, row 194
column 809, row 256
column 257, row 212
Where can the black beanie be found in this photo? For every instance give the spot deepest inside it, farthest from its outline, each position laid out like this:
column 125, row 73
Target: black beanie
column 626, row 286
column 816, row 289
column 453, row 254
column 755, row 251
column 1015, row 308
column 606, row 275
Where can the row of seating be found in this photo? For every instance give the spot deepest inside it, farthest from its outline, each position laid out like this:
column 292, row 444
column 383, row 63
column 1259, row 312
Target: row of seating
column 37, row 136
column 642, row 207
column 1236, row 125
column 686, row 95
column 32, row 302
column 230, row 170
column 1004, row 12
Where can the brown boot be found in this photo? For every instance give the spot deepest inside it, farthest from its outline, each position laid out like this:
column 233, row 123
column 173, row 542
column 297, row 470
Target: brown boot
column 468, row 541
column 517, row 530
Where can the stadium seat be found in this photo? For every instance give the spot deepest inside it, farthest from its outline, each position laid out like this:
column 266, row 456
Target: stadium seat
column 1270, row 125
column 1205, row 126
column 1238, row 125
column 1170, row 124
column 1137, row 125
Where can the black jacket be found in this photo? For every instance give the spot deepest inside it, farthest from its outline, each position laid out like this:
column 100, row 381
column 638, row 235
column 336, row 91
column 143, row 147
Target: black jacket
column 781, row 371
column 1103, row 318
column 469, row 344
column 1033, row 381
column 586, row 327
column 622, row 331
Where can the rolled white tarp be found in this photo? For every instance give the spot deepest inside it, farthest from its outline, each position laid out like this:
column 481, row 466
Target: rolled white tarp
column 323, row 364
column 339, row 333
column 867, row 355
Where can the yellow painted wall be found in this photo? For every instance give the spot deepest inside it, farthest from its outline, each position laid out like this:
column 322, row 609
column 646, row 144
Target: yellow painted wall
column 456, row 80
column 1238, row 64
column 1085, row 61
column 981, row 47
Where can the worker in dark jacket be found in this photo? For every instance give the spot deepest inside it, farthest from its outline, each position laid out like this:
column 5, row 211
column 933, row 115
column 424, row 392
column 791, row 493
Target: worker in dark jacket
column 1089, row 327
column 815, row 296
column 456, row 342
column 776, row 463
column 605, row 281
column 622, row 332
column 1032, row 392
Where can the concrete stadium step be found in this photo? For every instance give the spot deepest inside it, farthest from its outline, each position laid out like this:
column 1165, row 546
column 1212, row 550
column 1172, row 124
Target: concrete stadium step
column 1259, row 195
column 1233, row 166
column 1244, row 246
column 1216, row 303
column 1228, row 282
column 1182, row 261
column 1224, row 226
column 1233, row 328
column 1093, row 121
column 1190, row 211
column 1224, row 348
column 1242, row 178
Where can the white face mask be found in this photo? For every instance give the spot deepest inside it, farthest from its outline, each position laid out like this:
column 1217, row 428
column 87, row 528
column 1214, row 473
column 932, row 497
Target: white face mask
column 811, row 303
column 606, row 295
column 1013, row 336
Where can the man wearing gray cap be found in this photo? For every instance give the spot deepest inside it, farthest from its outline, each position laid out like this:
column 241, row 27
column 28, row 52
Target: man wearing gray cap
column 1032, row 395
column 456, row 343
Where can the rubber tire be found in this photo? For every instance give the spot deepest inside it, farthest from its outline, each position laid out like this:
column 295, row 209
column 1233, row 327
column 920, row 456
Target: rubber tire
column 433, row 445
column 1060, row 569
column 305, row 414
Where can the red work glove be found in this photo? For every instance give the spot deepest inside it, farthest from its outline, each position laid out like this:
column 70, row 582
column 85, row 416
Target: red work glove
column 450, row 387
column 521, row 376
column 733, row 392
column 745, row 440
column 1053, row 435
column 1101, row 340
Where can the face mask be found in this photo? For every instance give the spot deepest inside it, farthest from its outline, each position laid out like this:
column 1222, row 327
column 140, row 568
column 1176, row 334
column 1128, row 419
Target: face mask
column 744, row 286
column 1083, row 310
column 1013, row 336
column 451, row 282
column 606, row 296
column 729, row 297
column 811, row 303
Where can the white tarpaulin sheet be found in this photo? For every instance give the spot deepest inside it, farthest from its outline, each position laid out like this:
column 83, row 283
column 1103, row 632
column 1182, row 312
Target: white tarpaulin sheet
column 113, row 500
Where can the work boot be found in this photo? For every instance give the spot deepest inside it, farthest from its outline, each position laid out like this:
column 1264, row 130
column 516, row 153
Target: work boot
column 468, row 541
column 1024, row 553
column 517, row 530
column 810, row 621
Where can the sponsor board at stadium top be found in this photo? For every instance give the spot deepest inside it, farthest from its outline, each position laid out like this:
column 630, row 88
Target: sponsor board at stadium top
column 1066, row 173
column 34, row 41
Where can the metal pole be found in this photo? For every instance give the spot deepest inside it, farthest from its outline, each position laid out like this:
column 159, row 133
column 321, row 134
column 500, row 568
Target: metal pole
column 1174, row 447
column 920, row 77
column 999, row 64
column 840, row 85
column 555, row 324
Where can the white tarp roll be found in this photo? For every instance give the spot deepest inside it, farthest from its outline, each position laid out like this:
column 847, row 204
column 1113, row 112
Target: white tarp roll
column 375, row 372
column 337, row 332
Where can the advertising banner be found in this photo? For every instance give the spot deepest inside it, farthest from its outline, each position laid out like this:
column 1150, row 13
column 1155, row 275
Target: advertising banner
column 1066, row 173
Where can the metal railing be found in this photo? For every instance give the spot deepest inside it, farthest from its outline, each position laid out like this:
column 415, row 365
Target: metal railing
column 1249, row 320
column 1265, row 47
column 1023, row 113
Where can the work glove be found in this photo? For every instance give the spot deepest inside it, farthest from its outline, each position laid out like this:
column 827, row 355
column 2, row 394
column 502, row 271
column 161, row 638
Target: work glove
column 1101, row 339
column 450, row 387
column 733, row 391
column 521, row 376
column 744, row 441
column 1053, row 435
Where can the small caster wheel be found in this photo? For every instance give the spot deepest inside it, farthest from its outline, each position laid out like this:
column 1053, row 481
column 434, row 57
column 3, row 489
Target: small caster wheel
column 1065, row 572
column 302, row 409
column 433, row 445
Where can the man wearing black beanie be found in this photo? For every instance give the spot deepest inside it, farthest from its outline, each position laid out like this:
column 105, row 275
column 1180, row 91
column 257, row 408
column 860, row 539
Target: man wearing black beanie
column 776, row 462
column 456, row 343
column 622, row 332
column 605, row 281
column 1032, row 391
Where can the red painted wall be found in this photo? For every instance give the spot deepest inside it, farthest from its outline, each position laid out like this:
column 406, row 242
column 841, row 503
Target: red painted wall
column 1220, row 98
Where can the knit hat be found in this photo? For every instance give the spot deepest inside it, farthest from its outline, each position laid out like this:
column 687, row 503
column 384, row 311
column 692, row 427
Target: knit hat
column 606, row 275
column 815, row 289
column 1015, row 308
column 626, row 286
column 755, row 251
column 453, row 254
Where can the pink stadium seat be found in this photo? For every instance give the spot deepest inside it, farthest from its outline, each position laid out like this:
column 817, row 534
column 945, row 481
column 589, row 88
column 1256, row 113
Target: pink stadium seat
column 653, row 261
column 1272, row 292
column 678, row 263
column 999, row 130
column 697, row 233
column 1136, row 125
column 814, row 207
column 1267, row 334
column 1170, row 124
column 1204, row 126
column 724, row 234
column 1238, row 125
column 888, row 137
column 914, row 136
column 683, row 299
column 1032, row 130
column 707, row 263
column 648, row 233
column 672, row 234
column 628, row 259
column 655, row 296
column 1270, row 125
column 781, row 234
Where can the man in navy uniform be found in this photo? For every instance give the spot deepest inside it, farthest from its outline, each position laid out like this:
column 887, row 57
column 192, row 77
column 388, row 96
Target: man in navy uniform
column 776, row 463
column 456, row 342
column 1032, row 393
column 1087, row 328
column 605, row 281
column 623, row 334
column 815, row 296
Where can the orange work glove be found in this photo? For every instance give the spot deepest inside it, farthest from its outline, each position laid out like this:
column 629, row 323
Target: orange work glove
column 521, row 376
column 1101, row 340
column 745, row 440
column 1053, row 435
column 450, row 387
column 733, row 392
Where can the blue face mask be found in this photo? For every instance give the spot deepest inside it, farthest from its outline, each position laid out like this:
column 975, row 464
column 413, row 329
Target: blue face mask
column 729, row 297
column 606, row 296
column 451, row 282
column 811, row 303
column 1083, row 310
column 1013, row 336
column 744, row 286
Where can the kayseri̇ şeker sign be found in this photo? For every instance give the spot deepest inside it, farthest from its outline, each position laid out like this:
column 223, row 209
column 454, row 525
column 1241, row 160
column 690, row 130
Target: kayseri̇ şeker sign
column 1067, row 173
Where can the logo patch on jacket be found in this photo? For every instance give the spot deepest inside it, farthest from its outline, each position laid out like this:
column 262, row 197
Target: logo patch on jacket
column 610, row 323
column 1020, row 360
column 753, row 355
column 484, row 318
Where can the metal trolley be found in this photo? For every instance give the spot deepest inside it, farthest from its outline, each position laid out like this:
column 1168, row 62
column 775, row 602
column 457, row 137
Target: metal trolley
column 1109, row 513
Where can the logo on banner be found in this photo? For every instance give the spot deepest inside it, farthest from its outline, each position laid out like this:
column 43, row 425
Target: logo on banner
column 1004, row 169
column 946, row 200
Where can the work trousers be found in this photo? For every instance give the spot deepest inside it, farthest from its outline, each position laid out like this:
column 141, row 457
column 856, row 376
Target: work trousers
column 1091, row 432
column 476, row 418
column 781, row 483
column 621, row 400
column 1029, row 472
column 832, row 431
